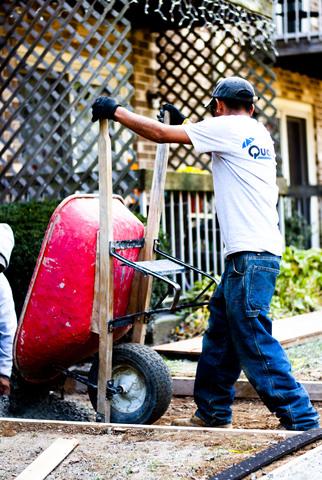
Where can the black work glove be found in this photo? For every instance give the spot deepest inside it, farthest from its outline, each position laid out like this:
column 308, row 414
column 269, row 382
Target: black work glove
column 176, row 117
column 104, row 107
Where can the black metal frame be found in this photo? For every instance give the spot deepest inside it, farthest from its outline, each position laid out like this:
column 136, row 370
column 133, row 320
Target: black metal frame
column 130, row 319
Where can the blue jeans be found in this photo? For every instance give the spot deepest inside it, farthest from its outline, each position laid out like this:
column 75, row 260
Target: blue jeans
column 239, row 337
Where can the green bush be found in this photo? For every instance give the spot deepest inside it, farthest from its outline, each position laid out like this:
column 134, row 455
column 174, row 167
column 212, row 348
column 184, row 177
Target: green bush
column 298, row 290
column 28, row 222
column 299, row 285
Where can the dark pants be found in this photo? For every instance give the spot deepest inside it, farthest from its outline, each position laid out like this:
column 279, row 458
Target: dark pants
column 239, row 337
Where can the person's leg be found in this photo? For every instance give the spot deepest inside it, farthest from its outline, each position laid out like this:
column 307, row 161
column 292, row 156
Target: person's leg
column 248, row 293
column 218, row 366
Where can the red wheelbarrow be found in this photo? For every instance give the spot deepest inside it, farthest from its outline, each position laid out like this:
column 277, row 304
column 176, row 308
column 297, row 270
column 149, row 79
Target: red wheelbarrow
column 61, row 322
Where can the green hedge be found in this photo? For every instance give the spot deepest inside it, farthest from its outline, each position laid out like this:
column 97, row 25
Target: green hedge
column 28, row 222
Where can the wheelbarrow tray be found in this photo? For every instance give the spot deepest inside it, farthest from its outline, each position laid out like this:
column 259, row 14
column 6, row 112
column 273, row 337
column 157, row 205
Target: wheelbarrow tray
column 55, row 328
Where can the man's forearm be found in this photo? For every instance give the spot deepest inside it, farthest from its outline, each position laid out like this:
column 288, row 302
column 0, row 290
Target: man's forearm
column 151, row 129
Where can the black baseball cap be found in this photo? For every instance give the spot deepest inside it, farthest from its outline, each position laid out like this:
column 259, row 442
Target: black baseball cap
column 235, row 88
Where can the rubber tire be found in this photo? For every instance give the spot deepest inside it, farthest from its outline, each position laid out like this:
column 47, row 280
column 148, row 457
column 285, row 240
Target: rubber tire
column 157, row 379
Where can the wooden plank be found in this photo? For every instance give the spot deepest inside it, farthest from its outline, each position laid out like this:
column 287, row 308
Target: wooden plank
column 180, row 181
column 26, row 425
column 288, row 331
column 142, row 286
column 193, row 182
column 48, row 460
column 105, row 270
column 183, row 386
column 95, row 319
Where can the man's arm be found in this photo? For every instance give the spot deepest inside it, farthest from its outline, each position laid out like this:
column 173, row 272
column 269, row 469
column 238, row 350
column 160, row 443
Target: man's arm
column 106, row 107
column 151, row 129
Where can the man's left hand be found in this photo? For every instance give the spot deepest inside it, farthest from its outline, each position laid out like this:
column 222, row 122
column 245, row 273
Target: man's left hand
column 4, row 386
column 104, row 107
column 176, row 117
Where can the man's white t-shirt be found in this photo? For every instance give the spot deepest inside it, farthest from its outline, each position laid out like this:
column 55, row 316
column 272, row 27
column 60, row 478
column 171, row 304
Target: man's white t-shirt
column 244, row 172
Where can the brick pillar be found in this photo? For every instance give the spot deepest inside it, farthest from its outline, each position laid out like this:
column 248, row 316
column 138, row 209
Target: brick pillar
column 144, row 80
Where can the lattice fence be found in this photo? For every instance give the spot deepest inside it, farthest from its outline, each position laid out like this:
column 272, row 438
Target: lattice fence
column 56, row 57
column 192, row 61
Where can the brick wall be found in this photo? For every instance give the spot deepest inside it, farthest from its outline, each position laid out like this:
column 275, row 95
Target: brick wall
column 293, row 86
column 144, row 81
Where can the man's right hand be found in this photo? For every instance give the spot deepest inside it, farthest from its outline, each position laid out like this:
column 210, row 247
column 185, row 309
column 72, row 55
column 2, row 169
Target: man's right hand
column 176, row 117
column 104, row 107
column 4, row 386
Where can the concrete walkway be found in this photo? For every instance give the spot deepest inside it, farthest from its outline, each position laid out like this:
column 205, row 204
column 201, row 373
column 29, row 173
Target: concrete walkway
column 305, row 467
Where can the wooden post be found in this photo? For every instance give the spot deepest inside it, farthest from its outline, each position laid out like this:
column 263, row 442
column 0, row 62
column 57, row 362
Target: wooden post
column 142, row 286
column 105, row 271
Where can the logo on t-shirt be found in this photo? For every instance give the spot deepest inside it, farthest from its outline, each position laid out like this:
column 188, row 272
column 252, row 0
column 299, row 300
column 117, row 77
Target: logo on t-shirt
column 247, row 142
column 254, row 151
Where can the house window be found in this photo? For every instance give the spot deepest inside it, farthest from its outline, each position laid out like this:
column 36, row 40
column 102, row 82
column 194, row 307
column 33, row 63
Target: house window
column 297, row 150
column 298, row 163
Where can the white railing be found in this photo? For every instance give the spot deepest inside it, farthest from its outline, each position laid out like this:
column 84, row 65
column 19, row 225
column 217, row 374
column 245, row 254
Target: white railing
column 298, row 19
column 190, row 223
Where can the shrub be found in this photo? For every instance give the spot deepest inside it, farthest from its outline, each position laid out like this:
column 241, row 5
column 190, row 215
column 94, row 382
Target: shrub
column 299, row 285
column 28, row 222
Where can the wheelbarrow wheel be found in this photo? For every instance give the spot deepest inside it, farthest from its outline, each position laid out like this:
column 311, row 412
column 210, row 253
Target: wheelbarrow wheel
column 146, row 381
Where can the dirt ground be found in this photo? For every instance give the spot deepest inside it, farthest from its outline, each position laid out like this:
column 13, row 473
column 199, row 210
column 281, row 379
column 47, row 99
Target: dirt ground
column 143, row 455
column 147, row 455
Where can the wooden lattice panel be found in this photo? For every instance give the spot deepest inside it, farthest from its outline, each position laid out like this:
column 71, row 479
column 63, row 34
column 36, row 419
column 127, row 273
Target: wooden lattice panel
column 57, row 57
column 192, row 61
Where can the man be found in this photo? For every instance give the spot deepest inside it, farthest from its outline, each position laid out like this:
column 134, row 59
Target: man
column 239, row 331
column 8, row 320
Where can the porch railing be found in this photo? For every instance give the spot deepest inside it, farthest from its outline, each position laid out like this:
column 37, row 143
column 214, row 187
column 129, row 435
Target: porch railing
column 298, row 19
column 191, row 227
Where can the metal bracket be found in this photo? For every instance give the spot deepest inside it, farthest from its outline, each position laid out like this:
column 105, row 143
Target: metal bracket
column 126, row 244
column 110, row 388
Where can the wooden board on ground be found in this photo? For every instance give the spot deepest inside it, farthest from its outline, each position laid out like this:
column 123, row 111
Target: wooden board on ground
column 26, row 425
column 183, row 386
column 288, row 331
column 45, row 463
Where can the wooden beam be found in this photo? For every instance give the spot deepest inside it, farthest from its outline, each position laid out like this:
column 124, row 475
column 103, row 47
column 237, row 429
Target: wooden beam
column 192, row 182
column 142, row 286
column 105, row 270
column 26, row 425
column 183, row 386
column 48, row 460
